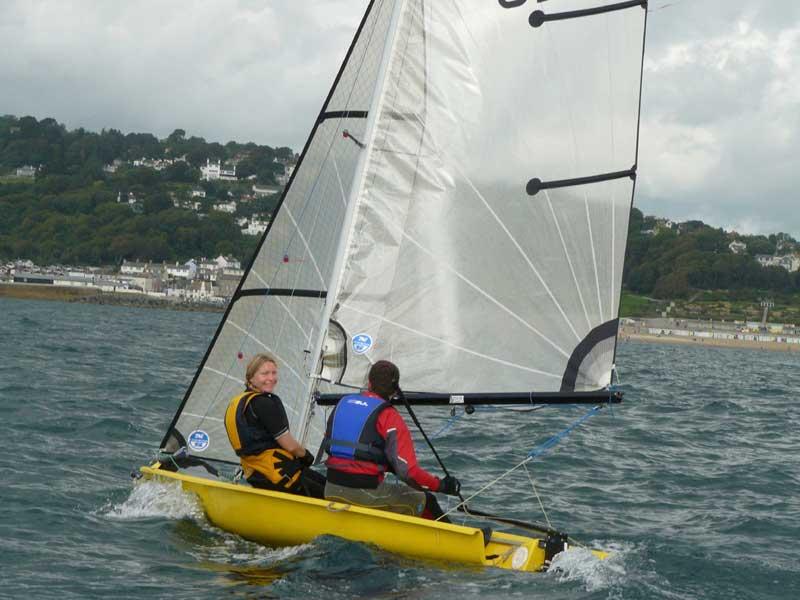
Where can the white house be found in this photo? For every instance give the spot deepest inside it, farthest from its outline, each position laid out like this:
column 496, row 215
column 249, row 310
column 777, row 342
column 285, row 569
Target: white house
column 227, row 262
column 255, row 227
column 737, row 247
column 134, row 268
column 26, row 171
column 227, row 207
column 214, row 171
column 790, row 262
column 179, row 271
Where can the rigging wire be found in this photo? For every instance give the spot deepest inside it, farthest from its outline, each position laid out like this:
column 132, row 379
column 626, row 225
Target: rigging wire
column 534, row 453
column 538, row 451
column 538, row 497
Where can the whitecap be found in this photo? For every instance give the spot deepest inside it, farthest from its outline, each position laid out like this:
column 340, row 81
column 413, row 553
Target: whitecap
column 579, row 564
column 154, row 499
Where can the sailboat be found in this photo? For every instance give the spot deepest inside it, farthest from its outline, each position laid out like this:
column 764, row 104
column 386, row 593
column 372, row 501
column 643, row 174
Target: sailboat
column 460, row 208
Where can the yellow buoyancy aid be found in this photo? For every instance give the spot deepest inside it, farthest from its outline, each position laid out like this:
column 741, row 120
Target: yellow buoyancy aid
column 256, row 448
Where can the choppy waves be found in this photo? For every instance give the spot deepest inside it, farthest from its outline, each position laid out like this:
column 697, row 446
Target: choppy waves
column 692, row 483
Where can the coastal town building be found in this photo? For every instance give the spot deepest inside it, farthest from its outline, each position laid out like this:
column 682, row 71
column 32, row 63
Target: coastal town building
column 255, row 227
column 737, row 247
column 181, row 271
column 226, row 207
column 790, row 262
column 264, row 191
column 26, row 171
column 284, row 177
column 227, row 262
column 159, row 164
column 135, row 268
column 214, row 171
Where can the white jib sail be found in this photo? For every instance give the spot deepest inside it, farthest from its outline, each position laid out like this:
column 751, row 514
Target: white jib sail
column 282, row 298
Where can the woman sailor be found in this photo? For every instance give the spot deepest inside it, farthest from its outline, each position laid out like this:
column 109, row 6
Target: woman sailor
column 258, row 430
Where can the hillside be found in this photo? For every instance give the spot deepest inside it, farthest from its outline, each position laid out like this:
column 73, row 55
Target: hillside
column 79, row 197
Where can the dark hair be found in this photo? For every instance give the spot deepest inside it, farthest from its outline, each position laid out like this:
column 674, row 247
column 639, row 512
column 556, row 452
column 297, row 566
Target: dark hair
column 384, row 379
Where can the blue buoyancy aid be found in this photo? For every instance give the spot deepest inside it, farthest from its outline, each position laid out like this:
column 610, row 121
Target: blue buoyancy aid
column 351, row 432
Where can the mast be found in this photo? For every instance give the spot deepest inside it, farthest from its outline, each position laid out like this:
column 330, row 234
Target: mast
column 347, row 228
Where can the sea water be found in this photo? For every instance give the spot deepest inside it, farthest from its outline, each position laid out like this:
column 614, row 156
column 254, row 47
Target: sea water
column 693, row 483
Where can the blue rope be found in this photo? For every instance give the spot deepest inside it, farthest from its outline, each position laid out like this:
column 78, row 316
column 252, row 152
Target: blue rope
column 544, row 447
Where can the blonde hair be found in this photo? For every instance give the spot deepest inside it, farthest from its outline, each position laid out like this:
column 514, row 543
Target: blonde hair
column 255, row 364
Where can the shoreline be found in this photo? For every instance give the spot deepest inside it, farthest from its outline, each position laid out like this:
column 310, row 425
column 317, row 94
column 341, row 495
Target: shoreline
column 626, row 334
column 54, row 293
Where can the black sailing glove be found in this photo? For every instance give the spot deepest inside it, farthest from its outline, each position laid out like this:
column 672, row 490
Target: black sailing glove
column 450, row 486
column 307, row 459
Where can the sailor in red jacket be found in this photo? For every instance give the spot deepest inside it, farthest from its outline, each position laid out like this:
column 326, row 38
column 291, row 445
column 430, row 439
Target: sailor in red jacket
column 366, row 437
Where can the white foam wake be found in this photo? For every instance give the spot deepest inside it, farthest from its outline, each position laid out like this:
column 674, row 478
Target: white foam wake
column 149, row 499
column 579, row 564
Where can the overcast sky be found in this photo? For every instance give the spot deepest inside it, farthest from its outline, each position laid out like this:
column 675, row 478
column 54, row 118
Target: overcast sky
column 720, row 137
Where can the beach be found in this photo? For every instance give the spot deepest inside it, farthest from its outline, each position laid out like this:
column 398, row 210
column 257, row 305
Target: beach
column 628, row 333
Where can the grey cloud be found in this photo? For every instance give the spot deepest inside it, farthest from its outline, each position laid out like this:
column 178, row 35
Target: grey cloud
column 716, row 143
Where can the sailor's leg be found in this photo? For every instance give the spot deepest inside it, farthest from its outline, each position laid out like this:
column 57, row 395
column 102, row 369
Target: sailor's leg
column 312, row 483
column 433, row 510
column 394, row 497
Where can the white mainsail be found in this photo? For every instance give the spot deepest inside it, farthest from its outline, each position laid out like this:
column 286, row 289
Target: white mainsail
column 416, row 222
column 454, row 270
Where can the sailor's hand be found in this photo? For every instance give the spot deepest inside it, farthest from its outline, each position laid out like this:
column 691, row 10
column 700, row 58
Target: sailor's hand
column 450, row 486
column 307, row 459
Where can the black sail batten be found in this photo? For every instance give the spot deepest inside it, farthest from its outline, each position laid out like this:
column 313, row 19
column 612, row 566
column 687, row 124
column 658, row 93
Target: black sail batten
column 254, row 256
column 536, row 185
column 597, row 335
column 511, row 3
column 342, row 114
column 496, row 398
column 538, row 17
column 294, row 293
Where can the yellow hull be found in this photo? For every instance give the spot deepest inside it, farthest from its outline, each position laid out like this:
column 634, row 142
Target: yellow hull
column 279, row 519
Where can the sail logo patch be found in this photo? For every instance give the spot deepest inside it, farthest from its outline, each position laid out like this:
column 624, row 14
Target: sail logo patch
column 198, row 440
column 361, row 343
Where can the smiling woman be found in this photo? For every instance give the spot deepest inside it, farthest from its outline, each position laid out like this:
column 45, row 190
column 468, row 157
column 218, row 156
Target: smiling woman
column 258, row 430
